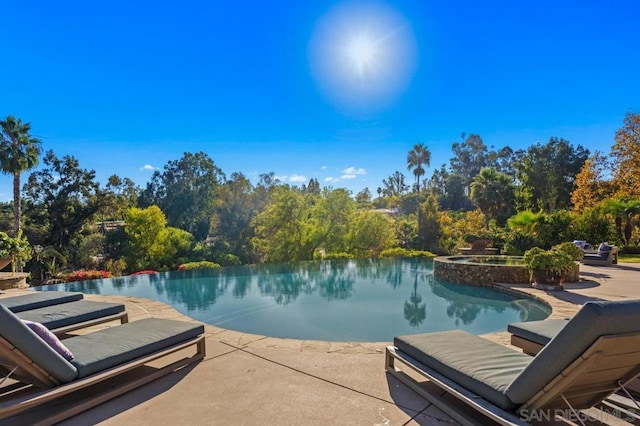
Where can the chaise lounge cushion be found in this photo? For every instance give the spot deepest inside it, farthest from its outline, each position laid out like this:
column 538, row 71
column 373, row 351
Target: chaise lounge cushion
column 22, row 337
column 113, row 346
column 540, row 332
column 62, row 315
column 39, row 299
column 479, row 365
column 593, row 320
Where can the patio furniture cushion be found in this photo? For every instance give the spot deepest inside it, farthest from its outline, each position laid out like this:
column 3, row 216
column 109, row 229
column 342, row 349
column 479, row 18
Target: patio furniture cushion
column 49, row 338
column 62, row 315
column 19, row 335
column 604, row 249
column 593, row 320
column 488, row 373
column 113, row 346
column 39, row 299
column 539, row 332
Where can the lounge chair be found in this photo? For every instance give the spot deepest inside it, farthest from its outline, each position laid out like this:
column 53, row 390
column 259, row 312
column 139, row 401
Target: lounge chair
column 594, row 355
column 63, row 312
column 66, row 317
column 123, row 351
column 532, row 336
column 39, row 299
column 607, row 256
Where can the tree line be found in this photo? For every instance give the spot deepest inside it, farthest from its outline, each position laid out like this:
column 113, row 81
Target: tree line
column 191, row 210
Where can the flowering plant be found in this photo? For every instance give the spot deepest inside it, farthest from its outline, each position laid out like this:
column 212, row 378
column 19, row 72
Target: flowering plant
column 83, row 275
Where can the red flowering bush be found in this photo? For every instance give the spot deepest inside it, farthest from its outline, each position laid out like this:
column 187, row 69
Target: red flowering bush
column 83, row 275
column 145, row 272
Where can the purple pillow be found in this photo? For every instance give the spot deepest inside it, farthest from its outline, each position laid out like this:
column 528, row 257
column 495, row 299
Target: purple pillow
column 49, row 338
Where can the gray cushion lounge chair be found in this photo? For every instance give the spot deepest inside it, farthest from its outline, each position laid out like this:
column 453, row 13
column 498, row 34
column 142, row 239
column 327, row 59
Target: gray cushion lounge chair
column 591, row 357
column 531, row 336
column 100, row 356
column 66, row 317
column 63, row 312
column 39, row 299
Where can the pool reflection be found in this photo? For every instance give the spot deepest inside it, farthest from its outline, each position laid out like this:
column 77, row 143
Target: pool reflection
column 364, row 300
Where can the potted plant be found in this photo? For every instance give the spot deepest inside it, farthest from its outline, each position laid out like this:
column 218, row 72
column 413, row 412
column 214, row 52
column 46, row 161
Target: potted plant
column 13, row 249
column 548, row 267
column 478, row 241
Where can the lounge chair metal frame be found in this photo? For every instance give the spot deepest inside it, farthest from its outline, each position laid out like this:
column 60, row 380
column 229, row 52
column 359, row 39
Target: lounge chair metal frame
column 28, row 396
column 604, row 368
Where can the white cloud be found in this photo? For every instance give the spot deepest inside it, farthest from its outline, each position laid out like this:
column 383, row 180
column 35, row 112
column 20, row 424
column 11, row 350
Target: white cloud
column 282, row 178
column 331, row 179
column 323, row 168
column 347, row 176
column 354, row 171
column 148, row 167
column 298, row 178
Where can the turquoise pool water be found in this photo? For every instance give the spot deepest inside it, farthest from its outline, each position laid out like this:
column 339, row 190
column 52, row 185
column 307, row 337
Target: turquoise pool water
column 369, row 300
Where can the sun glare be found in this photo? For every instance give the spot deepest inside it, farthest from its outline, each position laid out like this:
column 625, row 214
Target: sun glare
column 361, row 51
column 362, row 55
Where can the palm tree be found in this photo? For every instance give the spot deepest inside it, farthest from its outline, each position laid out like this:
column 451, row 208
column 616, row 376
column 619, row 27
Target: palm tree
column 417, row 158
column 623, row 211
column 19, row 151
column 493, row 193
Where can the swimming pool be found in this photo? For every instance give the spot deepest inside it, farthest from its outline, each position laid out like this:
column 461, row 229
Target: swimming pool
column 368, row 300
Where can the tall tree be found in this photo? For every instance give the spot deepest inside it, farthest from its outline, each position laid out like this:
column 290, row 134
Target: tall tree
column 591, row 185
column 19, row 152
column 547, row 174
column 185, row 192
column 233, row 211
column 394, row 185
column 417, row 159
column 469, row 157
column 62, row 198
column 494, row 194
column 626, row 157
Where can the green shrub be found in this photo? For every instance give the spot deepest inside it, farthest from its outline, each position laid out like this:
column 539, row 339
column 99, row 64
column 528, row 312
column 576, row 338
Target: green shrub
column 402, row 252
column 517, row 243
column 571, row 249
column 18, row 247
column 552, row 260
column 203, row 264
column 329, row 256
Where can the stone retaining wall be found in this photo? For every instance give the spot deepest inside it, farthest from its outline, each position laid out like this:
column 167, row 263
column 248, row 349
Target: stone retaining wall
column 447, row 268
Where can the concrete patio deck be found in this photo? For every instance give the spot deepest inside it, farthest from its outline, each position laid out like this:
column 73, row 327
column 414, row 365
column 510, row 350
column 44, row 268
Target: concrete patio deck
column 249, row 379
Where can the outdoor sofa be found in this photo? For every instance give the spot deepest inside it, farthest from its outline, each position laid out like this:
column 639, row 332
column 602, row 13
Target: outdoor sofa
column 607, row 255
column 594, row 355
column 118, row 357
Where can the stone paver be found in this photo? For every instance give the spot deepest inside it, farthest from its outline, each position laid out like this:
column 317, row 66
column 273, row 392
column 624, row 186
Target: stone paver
column 251, row 379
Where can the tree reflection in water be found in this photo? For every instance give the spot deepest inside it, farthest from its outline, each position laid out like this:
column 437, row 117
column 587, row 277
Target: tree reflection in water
column 367, row 296
column 466, row 302
column 414, row 312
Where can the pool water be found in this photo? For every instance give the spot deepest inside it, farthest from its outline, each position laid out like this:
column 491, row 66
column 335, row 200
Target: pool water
column 369, row 300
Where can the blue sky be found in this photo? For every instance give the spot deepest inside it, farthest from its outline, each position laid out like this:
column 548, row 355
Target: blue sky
column 338, row 91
